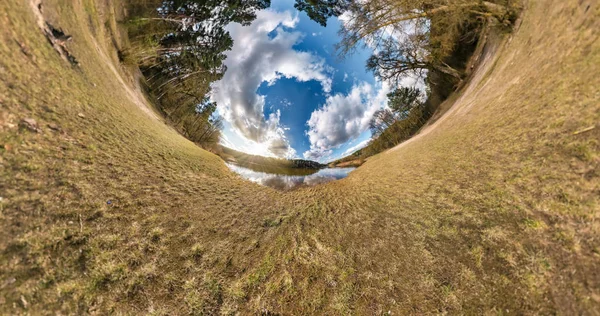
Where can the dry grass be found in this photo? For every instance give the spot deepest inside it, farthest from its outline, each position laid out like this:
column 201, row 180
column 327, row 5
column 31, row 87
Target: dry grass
column 494, row 211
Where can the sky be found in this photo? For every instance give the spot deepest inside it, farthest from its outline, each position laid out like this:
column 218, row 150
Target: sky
column 287, row 94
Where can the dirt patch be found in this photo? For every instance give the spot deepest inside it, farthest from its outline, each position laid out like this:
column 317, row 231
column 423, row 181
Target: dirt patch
column 58, row 40
column 351, row 163
column 55, row 36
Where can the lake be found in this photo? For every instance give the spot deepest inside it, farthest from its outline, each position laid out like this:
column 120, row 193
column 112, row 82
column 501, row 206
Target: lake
column 289, row 182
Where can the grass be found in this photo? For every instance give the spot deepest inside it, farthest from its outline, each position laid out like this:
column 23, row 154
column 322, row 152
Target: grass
column 494, row 211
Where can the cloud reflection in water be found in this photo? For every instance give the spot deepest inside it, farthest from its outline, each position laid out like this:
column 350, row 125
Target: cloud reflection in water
column 287, row 182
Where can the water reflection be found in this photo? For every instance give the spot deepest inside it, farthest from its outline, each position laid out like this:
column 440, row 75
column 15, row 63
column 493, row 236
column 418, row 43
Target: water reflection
column 290, row 182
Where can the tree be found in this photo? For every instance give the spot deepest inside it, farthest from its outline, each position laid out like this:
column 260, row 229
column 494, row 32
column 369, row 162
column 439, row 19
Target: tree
column 181, row 50
column 409, row 36
column 209, row 132
column 413, row 36
column 198, row 38
column 193, row 38
column 404, row 99
column 382, row 119
column 321, row 10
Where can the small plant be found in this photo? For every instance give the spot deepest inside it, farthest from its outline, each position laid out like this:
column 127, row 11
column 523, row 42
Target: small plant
column 197, row 251
column 272, row 222
column 532, row 223
column 156, row 234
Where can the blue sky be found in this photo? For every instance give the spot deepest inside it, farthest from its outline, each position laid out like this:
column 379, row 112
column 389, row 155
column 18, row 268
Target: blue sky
column 287, row 94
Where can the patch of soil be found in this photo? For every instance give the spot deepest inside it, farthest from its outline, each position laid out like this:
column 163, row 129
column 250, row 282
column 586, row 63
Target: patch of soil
column 55, row 36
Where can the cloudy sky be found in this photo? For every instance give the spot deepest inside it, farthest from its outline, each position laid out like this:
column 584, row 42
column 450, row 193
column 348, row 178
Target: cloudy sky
column 286, row 94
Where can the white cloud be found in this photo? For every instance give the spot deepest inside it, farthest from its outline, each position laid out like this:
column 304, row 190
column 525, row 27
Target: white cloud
column 227, row 143
column 255, row 58
column 285, row 103
column 343, row 117
column 356, row 147
column 234, row 139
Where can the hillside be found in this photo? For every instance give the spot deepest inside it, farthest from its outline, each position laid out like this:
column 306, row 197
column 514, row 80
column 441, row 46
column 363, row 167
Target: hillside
column 104, row 209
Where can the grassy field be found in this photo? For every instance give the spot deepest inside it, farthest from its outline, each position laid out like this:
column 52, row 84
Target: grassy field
column 493, row 209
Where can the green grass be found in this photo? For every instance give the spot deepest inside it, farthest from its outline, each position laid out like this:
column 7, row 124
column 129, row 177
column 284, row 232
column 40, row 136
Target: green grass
column 494, row 211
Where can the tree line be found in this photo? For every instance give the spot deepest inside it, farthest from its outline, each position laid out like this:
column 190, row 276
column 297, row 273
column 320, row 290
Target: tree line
column 409, row 37
column 180, row 45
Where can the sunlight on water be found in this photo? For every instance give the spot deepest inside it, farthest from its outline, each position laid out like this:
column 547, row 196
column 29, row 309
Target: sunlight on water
column 287, row 182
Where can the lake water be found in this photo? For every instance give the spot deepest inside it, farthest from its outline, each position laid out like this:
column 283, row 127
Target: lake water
column 290, row 182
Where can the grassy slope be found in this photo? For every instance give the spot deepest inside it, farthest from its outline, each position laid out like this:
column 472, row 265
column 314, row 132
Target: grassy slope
column 495, row 210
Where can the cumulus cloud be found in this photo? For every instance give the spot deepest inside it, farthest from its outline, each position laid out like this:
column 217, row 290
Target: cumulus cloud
column 343, row 117
column 263, row 52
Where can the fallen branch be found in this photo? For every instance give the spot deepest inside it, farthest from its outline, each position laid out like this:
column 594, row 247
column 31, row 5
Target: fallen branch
column 587, row 129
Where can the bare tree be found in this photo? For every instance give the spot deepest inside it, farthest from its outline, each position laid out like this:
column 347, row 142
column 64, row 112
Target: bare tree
column 382, row 119
column 409, row 36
